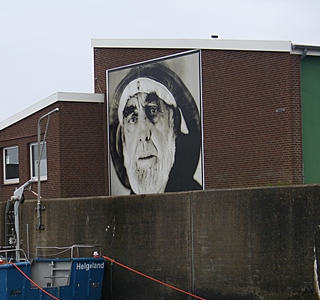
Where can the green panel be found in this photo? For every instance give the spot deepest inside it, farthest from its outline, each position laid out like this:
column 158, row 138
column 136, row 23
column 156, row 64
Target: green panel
column 310, row 98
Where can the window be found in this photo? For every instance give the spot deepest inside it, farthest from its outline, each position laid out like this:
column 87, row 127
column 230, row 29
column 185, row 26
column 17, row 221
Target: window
column 11, row 164
column 34, row 161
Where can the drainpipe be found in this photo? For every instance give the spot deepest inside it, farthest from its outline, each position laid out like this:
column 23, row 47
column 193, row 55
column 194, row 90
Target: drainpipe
column 39, row 226
column 304, row 53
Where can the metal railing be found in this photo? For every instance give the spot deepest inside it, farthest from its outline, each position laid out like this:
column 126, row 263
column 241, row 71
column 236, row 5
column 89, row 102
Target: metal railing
column 9, row 255
column 74, row 250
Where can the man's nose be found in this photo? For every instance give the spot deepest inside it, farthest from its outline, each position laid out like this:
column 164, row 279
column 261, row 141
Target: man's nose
column 144, row 130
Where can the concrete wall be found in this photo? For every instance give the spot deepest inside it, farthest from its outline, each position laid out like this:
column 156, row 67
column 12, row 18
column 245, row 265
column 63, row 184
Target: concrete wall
column 224, row 244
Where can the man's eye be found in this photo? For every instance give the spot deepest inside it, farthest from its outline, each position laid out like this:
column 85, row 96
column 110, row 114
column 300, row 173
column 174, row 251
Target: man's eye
column 132, row 119
column 153, row 110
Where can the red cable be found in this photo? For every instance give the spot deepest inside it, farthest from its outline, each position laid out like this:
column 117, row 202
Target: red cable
column 39, row 287
column 121, row 265
column 151, row 278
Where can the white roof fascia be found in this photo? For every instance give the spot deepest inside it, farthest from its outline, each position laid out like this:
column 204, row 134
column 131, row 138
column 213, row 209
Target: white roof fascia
column 59, row 96
column 214, row 44
column 310, row 50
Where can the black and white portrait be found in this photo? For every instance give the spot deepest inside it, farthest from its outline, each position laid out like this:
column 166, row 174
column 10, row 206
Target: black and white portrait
column 155, row 130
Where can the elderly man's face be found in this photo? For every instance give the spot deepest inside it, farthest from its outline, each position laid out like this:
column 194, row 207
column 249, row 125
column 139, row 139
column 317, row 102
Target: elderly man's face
column 148, row 143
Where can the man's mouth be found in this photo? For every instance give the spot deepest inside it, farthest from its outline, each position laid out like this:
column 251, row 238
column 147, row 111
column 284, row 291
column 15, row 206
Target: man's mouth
column 146, row 157
column 147, row 160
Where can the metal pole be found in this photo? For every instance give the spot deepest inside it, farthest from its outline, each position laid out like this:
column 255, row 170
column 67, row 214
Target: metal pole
column 28, row 245
column 40, row 150
column 17, row 228
column 16, row 199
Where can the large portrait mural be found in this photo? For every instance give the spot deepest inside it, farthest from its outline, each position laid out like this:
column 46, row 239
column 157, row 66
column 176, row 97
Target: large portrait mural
column 155, row 128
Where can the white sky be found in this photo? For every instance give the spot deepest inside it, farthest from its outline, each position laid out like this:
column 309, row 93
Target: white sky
column 45, row 45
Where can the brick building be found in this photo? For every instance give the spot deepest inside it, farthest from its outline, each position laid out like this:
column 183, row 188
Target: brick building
column 259, row 112
column 73, row 159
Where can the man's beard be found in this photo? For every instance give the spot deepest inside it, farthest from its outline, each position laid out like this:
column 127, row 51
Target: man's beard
column 151, row 178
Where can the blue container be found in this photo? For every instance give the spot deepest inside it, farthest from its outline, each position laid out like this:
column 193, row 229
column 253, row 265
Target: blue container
column 66, row 279
column 75, row 278
column 13, row 285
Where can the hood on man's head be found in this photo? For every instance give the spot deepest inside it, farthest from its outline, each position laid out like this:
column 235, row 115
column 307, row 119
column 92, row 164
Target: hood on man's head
column 144, row 85
column 148, row 86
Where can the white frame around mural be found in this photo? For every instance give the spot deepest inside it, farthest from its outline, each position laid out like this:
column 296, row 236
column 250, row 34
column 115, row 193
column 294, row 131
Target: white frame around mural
column 187, row 66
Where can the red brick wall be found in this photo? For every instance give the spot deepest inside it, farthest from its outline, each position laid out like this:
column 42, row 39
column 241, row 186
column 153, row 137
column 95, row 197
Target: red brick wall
column 22, row 134
column 75, row 157
column 246, row 142
column 82, row 155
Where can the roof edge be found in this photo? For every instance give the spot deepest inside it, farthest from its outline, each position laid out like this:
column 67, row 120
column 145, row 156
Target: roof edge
column 56, row 97
column 304, row 50
column 214, row 44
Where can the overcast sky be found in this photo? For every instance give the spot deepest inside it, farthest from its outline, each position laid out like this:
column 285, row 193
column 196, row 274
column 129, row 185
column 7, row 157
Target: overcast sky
column 45, row 45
